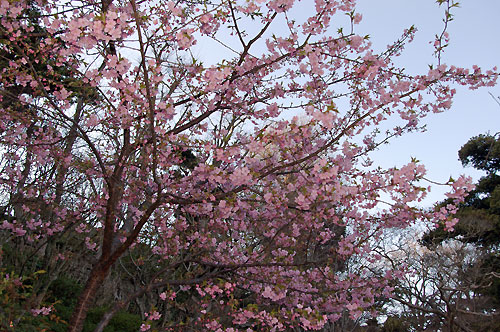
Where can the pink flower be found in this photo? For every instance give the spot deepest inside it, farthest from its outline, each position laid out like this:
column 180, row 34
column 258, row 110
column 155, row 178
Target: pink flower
column 184, row 38
column 356, row 41
column 155, row 315
column 240, row 176
column 449, row 224
column 271, row 294
column 44, row 311
column 357, row 18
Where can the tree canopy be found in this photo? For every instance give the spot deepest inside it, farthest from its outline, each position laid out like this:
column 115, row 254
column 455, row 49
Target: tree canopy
column 482, row 152
column 237, row 195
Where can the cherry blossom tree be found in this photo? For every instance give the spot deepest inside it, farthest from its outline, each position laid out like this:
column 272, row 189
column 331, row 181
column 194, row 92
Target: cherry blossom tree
column 251, row 173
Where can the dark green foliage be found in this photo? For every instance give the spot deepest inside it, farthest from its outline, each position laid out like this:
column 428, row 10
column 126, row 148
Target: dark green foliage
column 474, row 226
column 15, row 296
column 126, row 322
column 395, row 324
column 481, row 197
column 93, row 317
column 65, row 290
column 189, row 160
column 482, row 152
column 121, row 322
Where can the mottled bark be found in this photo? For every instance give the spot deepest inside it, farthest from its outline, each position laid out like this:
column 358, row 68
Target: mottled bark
column 99, row 273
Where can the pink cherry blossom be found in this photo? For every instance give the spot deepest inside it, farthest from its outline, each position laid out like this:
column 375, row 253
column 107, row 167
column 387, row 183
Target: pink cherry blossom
column 246, row 178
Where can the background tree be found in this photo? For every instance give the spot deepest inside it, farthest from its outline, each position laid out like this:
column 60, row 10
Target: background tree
column 479, row 214
column 123, row 154
column 453, row 281
column 442, row 289
column 479, row 221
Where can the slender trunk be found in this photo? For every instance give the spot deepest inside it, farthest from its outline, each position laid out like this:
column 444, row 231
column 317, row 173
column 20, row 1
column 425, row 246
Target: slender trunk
column 96, row 278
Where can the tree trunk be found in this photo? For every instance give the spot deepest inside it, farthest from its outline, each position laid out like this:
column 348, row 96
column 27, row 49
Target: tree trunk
column 96, row 278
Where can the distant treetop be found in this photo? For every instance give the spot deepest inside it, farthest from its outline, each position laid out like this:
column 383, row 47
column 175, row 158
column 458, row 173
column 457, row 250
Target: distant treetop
column 482, row 152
